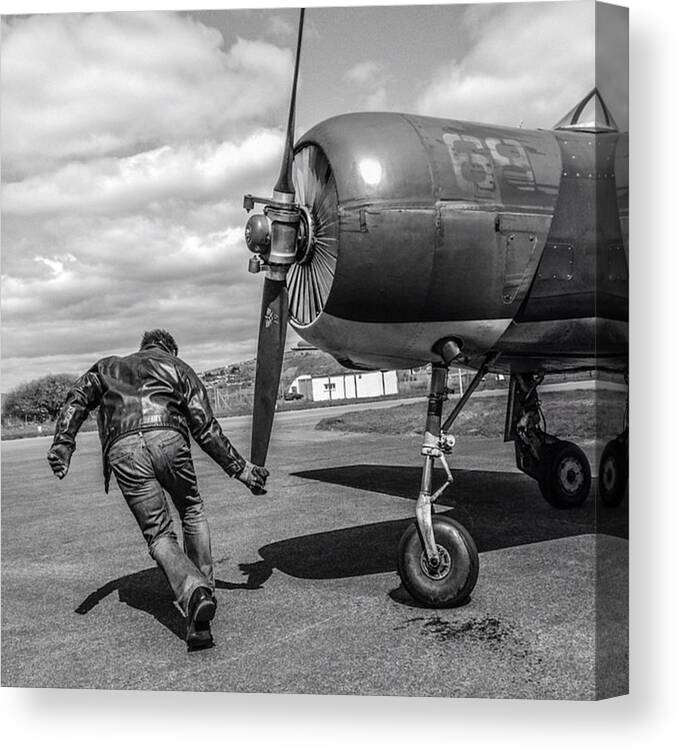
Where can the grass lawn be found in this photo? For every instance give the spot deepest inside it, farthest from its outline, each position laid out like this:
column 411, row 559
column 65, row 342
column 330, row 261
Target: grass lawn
column 581, row 414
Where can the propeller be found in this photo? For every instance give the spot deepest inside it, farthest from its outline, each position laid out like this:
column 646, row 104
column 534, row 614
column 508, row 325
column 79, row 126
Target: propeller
column 284, row 183
column 270, row 349
column 272, row 236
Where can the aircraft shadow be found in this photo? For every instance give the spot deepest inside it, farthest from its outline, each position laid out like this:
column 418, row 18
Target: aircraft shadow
column 147, row 590
column 500, row 509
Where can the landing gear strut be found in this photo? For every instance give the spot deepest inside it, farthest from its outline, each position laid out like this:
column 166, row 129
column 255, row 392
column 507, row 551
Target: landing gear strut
column 437, row 558
column 560, row 467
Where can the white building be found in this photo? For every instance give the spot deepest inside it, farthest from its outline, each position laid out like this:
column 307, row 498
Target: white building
column 346, row 386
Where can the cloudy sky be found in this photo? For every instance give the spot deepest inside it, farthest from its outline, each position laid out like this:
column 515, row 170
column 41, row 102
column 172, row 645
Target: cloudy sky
column 128, row 140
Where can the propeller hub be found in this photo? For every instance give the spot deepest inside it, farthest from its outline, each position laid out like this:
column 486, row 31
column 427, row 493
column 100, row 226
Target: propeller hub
column 305, row 237
column 280, row 196
column 284, row 229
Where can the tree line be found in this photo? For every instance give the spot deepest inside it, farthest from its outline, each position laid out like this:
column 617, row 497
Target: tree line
column 39, row 400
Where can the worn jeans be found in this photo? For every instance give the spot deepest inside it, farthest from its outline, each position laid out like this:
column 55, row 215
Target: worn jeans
column 146, row 464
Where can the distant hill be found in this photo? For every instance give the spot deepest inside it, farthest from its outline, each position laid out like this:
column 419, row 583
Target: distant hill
column 295, row 363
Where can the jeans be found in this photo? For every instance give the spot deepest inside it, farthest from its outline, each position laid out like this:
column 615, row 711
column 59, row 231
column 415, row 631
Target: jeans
column 146, row 464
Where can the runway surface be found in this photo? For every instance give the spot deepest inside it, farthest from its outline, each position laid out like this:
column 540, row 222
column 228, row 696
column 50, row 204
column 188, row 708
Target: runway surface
column 309, row 600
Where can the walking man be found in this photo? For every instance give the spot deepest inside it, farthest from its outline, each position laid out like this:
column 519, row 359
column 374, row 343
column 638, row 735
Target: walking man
column 149, row 402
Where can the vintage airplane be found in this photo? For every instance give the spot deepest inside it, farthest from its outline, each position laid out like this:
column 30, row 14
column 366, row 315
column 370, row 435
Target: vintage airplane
column 395, row 240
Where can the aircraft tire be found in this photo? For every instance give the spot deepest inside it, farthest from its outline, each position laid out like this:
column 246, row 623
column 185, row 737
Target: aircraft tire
column 452, row 583
column 613, row 473
column 566, row 478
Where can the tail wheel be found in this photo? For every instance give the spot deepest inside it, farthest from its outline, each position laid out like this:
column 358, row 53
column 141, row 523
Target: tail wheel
column 566, row 475
column 613, row 473
column 451, row 582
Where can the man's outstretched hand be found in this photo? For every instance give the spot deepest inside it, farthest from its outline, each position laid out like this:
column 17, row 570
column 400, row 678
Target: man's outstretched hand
column 59, row 457
column 254, row 477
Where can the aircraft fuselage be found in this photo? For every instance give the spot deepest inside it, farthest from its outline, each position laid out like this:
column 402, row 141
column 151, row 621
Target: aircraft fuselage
column 504, row 239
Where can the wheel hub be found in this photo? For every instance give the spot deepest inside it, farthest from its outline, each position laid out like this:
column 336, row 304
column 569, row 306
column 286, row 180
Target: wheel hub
column 571, row 476
column 439, row 571
column 609, row 474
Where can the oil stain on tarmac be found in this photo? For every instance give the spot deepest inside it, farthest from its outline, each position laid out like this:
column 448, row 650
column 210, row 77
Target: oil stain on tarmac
column 485, row 631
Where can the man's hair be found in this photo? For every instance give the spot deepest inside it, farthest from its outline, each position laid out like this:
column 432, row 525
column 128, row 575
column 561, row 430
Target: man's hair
column 162, row 338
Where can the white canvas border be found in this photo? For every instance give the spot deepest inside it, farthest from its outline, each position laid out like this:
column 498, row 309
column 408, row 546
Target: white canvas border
column 72, row 719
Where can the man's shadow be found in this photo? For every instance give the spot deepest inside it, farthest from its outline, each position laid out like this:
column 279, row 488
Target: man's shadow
column 148, row 591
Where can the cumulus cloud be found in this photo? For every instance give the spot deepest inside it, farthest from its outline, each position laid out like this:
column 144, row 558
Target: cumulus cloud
column 363, row 73
column 280, row 27
column 369, row 78
column 124, row 275
column 78, row 87
column 128, row 140
column 527, row 63
column 114, row 185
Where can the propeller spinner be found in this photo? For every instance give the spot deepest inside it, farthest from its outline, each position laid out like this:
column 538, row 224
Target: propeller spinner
column 272, row 237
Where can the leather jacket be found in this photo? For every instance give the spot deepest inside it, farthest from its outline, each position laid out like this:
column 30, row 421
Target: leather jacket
column 148, row 390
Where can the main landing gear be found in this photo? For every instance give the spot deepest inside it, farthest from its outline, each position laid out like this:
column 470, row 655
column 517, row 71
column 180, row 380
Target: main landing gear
column 437, row 557
column 560, row 467
column 613, row 471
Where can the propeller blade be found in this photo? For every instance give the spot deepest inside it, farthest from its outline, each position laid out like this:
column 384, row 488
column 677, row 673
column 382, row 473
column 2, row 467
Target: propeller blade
column 272, row 330
column 284, row 183
column 274, row 302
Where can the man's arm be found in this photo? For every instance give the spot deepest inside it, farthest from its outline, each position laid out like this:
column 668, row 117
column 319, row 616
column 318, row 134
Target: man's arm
column 208, row 434
column 83, row 397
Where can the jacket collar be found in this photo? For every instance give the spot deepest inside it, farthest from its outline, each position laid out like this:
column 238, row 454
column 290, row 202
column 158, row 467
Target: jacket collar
column 156, row 345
